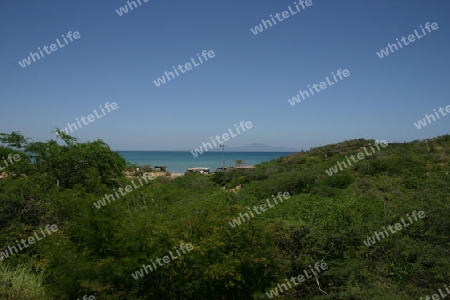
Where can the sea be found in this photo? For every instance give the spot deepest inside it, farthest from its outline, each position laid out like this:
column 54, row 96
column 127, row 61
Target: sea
column 179, row 161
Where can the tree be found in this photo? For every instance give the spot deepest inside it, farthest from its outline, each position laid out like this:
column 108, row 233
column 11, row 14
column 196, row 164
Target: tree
column 69, row 164
column 239, row 162
column 14, row 139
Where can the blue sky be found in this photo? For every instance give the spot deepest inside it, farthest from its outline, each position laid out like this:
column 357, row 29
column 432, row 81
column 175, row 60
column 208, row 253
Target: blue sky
column 250, row 78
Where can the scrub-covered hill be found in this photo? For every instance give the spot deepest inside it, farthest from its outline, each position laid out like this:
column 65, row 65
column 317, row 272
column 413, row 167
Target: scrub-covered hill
column 329, row 223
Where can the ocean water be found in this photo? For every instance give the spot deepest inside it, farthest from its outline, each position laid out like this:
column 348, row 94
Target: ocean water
column 179, row 161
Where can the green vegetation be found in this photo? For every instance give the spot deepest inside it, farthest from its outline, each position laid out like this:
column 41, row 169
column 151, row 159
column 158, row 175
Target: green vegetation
column 327, row 218
column 20, row 283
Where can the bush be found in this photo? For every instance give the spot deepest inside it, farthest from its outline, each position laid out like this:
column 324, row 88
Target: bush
column 340, row 181
column 146, row 168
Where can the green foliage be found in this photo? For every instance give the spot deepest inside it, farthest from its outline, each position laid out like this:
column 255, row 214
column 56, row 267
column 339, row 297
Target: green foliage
column 90, row 163
column 15, row 139
column 340, row 181
column 327, row 218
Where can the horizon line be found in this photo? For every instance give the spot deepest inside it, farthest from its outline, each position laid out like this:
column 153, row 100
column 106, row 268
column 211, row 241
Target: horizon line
column 293, row 151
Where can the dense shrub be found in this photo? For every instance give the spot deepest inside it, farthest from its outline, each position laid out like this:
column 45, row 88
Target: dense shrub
column 340, row 181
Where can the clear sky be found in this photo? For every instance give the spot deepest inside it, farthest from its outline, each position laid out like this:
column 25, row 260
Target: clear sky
column 117, row 58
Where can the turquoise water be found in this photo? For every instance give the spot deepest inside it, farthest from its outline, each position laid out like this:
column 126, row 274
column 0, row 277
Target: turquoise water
column 179, row 161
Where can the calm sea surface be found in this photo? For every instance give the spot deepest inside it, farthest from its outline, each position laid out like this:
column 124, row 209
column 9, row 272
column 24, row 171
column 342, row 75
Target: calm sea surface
column 179, row 161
